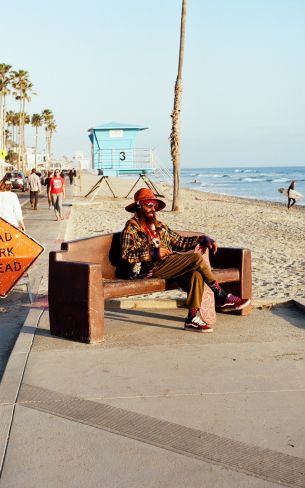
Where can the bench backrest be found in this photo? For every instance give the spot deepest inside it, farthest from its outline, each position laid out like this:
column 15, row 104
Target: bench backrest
column 103, row 249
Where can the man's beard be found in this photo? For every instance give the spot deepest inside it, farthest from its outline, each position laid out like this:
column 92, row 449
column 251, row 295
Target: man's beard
column 148, row 218
column 151, row 219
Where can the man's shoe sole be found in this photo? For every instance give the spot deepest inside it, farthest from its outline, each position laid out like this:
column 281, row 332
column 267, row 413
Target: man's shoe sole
column 232, row 308
column 197, row 329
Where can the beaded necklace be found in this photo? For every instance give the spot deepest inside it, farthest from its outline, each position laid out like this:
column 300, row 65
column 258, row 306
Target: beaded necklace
column 151, row 231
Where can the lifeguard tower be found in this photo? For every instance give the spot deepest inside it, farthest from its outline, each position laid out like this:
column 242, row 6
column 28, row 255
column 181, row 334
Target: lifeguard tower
column 114, row 153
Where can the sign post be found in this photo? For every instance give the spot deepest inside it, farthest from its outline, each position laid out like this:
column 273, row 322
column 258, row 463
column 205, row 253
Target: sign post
column 18, row 252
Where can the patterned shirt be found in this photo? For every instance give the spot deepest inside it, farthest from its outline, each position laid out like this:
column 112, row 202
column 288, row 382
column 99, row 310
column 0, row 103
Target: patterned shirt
column 137, row 246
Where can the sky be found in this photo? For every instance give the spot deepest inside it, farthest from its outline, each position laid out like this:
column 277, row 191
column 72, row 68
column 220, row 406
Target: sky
column 243, row 101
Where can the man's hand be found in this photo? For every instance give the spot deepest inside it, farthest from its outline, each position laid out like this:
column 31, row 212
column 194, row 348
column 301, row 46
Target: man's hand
column 207, row 241
column 164, row 252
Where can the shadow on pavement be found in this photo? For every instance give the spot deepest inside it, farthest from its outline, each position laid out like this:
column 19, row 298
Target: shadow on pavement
column 291, row 314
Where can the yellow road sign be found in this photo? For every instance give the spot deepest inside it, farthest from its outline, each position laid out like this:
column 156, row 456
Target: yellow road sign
column 3, row 153
column 18, row 251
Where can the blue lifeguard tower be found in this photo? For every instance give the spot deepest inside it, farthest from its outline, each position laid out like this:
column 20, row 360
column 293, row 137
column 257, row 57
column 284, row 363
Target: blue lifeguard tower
column 114, row 153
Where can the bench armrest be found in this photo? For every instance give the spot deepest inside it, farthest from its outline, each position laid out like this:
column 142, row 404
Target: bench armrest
column 76, row 295
column 230, row 257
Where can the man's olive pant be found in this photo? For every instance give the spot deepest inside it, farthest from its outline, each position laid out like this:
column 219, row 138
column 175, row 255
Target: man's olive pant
column 34, row 199
column 190, row 270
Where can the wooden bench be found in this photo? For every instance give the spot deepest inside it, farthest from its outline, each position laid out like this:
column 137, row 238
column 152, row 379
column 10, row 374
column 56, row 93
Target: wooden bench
column 82, row 276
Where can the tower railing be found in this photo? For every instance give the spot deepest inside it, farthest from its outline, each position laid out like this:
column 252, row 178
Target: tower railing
column 121, row 160
column 132, row 161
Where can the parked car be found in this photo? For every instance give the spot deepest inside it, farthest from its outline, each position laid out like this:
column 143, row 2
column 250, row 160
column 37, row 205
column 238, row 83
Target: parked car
column 18, row 179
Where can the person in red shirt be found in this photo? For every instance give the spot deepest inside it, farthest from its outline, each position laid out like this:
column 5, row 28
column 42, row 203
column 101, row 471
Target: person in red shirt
column 57, row 193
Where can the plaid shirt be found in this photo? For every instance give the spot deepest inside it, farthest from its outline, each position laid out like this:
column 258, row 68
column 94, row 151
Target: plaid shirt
column 137, row 246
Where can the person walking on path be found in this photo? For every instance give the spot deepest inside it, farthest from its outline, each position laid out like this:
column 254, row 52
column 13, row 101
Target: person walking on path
column 57, row 193
column 35, row 188
column 72, row 174
column 10, row 208
column 291, row 201
column 47, row 184
column 151, row 249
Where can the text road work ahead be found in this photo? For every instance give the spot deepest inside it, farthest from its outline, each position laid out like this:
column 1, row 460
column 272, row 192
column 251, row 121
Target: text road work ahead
column 18, row 251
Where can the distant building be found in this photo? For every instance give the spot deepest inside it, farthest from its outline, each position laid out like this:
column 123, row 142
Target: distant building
column 80, row 162
column 30, row 160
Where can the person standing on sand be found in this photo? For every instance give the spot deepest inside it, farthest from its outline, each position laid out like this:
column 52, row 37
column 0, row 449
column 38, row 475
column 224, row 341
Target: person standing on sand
column 151, row 249
column 56, row 193
column 10, row 208
column 35, row 188
column 291, row 201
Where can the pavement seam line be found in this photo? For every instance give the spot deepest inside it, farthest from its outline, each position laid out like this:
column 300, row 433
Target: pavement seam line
column 173, row 395
column 257, row 461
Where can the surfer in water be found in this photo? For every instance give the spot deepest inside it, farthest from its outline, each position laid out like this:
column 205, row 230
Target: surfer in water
column 291, row 201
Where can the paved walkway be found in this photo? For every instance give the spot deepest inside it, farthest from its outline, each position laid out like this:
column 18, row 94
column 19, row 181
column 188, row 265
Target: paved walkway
column 154, row 405
column 41, row 225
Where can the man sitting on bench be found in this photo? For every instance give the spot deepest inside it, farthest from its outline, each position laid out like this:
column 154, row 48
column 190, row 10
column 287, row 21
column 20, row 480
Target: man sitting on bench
column 152, row 249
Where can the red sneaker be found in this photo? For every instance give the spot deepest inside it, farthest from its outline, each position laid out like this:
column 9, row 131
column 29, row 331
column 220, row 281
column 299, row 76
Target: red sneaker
column 197, row 324
column 233, row 302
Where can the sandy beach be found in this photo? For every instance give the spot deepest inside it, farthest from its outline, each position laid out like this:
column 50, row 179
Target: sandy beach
column 275, row 236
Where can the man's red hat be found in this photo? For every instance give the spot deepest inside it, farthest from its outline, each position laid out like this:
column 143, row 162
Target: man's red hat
column 144, row 194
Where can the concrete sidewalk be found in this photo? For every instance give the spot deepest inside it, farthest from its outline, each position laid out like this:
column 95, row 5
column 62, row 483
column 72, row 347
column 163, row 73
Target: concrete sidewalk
column 154, row 405
column 42, row 226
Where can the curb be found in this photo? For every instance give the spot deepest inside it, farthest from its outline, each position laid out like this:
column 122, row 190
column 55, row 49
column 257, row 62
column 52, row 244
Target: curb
column 170, row 303
column 13, row 375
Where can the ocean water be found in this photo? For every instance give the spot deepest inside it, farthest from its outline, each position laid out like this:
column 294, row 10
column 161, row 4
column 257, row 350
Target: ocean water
column 259, row 183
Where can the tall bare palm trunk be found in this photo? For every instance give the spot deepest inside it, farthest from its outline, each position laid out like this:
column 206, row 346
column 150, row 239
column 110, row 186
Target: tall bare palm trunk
column 4, row 127
column 22, row 136
column 47, row 150
column 36, row 144
column 177, row 205
column 19, row 136
column 50, row 145
column 1, row 122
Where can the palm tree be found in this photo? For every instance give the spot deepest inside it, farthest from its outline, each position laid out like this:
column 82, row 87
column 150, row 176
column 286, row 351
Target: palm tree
column 24, row 88
column 5, row 80
column 9, row 117
column 26, row 119
column 36, row 122
column 177, row 206
column 16, row 122
column 12, row 120
column 50, row 129
column 7, row 135
column 48, row 119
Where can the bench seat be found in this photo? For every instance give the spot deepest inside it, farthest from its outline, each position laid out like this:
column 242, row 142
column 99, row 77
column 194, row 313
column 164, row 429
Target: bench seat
column 119, row 288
